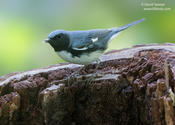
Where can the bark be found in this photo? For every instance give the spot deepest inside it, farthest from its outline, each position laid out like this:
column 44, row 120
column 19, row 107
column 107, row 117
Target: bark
column 129, row 89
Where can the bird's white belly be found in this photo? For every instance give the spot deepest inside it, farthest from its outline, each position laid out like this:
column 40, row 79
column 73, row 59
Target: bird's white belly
column 83, row 59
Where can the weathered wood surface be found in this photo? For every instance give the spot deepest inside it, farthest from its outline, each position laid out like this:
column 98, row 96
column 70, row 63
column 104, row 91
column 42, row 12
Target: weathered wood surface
column 128, row 90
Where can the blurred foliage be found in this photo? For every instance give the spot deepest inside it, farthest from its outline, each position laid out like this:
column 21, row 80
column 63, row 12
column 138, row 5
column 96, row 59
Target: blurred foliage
column 24, row 24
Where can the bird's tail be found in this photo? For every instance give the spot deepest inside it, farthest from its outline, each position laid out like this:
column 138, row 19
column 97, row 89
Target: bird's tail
column 128, row 25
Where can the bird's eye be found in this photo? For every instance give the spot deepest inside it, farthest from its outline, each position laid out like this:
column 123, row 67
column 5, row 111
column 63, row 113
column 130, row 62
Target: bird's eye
column 59, row 36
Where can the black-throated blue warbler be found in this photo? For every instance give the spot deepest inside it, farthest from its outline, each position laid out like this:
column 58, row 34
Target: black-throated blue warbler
column 84, row 47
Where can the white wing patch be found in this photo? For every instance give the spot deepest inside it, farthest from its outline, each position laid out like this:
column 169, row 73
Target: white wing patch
column 94, row 39
column 84, row 48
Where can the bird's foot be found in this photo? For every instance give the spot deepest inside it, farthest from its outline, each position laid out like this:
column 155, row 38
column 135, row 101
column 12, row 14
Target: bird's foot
column 92, row 78
column 95, row 73
column 73, row 77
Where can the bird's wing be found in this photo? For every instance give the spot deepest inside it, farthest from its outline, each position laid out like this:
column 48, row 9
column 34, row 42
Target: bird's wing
column 92, row 39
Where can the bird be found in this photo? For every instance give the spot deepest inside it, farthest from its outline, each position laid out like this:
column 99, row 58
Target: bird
column 84, row 46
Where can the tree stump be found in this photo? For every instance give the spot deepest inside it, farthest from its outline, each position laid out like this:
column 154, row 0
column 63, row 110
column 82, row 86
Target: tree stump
column 130, row 89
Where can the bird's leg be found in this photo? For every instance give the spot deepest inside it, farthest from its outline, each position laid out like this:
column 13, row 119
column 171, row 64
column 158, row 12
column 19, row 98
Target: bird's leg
column 73, row 75
column 89, row 79
column 95, row 72
column 97, row 65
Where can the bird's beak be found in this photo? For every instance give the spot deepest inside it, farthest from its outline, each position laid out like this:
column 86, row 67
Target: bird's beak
column 46, row 40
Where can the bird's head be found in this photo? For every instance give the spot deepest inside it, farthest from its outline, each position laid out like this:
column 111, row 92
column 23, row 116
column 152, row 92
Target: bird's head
column 58, row 39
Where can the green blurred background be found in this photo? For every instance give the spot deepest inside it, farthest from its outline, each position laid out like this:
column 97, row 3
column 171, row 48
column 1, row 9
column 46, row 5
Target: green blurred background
column 24, row 24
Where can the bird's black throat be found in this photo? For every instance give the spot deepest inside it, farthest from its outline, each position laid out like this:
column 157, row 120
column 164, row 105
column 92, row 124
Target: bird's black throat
column 60, row 42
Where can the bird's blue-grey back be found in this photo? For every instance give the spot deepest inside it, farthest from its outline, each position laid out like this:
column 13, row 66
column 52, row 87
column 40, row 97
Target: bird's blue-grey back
column 77, row 37
column 84, row 38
